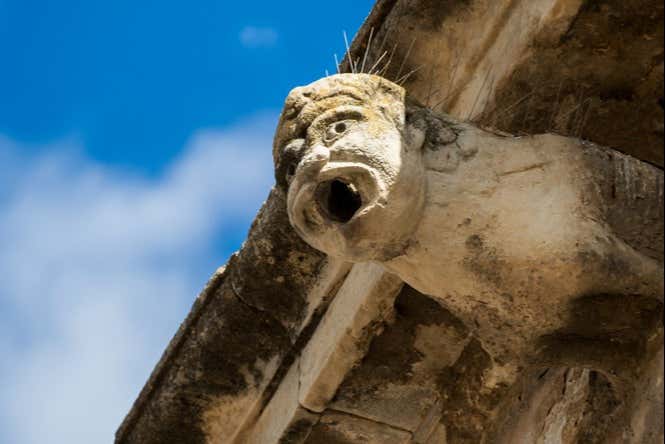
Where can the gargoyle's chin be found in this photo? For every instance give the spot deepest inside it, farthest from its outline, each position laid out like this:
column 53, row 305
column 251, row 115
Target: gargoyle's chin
column 329, row 210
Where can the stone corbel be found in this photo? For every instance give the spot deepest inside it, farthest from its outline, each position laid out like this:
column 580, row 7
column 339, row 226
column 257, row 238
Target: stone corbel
column 548, row 248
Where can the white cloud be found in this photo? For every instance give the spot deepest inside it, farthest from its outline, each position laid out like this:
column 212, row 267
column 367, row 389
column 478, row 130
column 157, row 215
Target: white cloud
column 98, row 269
column 256, row 37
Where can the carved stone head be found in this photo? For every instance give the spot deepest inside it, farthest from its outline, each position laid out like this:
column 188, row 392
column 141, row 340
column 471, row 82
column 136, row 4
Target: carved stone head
column 351, row 167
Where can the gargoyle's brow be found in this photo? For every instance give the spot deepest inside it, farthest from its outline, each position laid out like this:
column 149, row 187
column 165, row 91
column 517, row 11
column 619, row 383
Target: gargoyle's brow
column 303, row 124
column 349, row 94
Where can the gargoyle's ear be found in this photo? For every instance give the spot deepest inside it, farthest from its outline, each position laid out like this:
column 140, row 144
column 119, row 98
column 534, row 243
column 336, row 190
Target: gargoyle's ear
column 287, row 161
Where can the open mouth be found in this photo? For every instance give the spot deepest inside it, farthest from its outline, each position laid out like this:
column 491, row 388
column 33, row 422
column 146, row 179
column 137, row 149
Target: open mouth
column 338, row 200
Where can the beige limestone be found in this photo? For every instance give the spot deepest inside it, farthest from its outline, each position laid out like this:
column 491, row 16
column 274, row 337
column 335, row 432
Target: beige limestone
column 343, row 335
column 346, row 429
column 502, row 230
column 520, row 237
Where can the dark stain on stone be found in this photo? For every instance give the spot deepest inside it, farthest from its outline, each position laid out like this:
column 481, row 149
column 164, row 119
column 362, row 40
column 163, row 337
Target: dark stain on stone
column 275, row 250
column 249, row 317
column 485, row 262
column 302, row 340
column 230, row 339
column 629, row 194
column 392, row 353
column 601, row 408
column 618, row 315
column 604, row 332
column 474, row 243
column 604, row 265
column 467, row 408
column 326, row 434
column 439, row 132
column 298, row 432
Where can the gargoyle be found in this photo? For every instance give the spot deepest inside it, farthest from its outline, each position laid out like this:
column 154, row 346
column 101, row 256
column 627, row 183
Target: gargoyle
column 512, row 234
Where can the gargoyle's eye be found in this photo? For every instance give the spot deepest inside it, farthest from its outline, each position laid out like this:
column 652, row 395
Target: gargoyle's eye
column 338, row 129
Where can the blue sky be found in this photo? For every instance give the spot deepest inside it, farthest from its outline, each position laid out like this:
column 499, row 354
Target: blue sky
column 135, row 143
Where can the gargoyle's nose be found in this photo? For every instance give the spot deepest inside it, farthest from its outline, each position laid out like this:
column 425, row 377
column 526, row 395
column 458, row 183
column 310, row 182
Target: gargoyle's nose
column 313, row 161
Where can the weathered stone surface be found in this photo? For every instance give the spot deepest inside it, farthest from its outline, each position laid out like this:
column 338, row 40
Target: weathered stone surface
column 219, row 366
column 589, row 68
column 396, row 382
column 269, row 261
column 338, row 428
column 575, row 406
column 283, row 420
column 606, row 86
column 343, row 336
column 495, row 366
column 553, row 404
column 216, row 389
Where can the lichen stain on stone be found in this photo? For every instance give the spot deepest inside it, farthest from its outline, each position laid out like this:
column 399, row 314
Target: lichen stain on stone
column 403, row 361
column 274, row 249
column 468, row 407
column 225, row 414
column 485, row 262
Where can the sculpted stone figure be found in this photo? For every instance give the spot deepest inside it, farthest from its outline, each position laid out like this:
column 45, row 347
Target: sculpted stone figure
column 512, row 234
